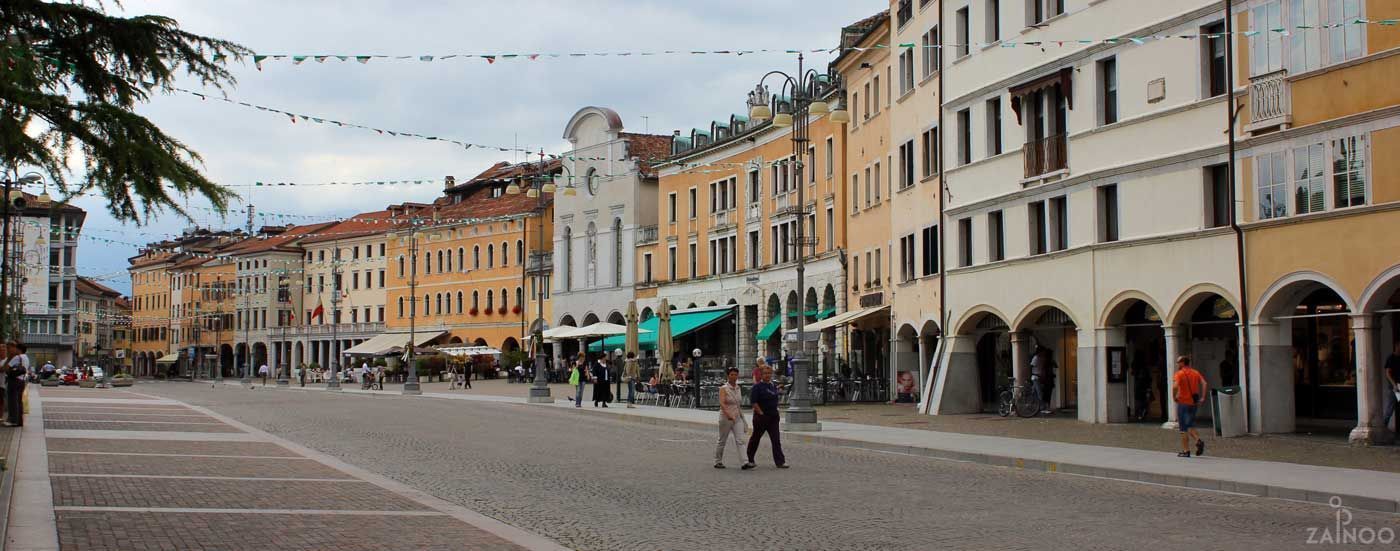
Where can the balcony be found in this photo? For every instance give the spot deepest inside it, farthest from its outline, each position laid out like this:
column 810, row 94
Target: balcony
column 753, row 212
column 1270, row 102
column 56, row 271
column 722, row 220
column 540, row 263
column 49, row 339
column 647, row 235
column 1045, row 155
column 344, row 329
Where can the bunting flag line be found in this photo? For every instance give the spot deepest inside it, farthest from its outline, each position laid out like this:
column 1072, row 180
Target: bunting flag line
column 491, row 58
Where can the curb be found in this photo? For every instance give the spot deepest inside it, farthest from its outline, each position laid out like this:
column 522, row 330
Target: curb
column 7, row 485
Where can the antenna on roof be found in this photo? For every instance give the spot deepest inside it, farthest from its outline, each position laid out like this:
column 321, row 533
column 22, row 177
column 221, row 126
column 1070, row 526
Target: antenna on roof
column 646, row 124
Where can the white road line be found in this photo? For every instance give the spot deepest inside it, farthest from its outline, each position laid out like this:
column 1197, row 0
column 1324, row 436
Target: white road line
column 131, row 401
column 183, row 477
column 141, row 414
column 283, row 457
column 352, row 512
column 154, row 435
column 133, row 421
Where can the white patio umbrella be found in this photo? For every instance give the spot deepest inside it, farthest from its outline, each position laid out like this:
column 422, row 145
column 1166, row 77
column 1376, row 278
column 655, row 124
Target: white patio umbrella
column 664, row 346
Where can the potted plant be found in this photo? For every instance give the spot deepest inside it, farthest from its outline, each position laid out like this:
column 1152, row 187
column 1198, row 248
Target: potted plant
column 515, row 309
column 123, row 380
column 502, row 311
column 473, row 311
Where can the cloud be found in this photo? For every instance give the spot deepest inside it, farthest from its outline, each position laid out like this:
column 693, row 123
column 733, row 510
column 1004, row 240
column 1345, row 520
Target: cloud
column 511, row 102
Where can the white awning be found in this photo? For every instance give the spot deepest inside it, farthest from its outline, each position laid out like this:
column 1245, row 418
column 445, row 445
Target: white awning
column 169, row 358
column 388, row 343
column 844, row 318
column 469, row 351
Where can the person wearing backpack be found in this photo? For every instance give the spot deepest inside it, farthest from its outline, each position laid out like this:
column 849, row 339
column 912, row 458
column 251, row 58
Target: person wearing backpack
column 1188, row 389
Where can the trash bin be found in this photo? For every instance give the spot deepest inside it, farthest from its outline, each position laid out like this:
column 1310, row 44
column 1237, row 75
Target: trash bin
column 1227, row 404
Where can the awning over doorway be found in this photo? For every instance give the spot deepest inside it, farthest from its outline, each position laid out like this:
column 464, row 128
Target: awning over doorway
column 386, row 343
column 169, row 359
column 845, row 318
column 683, row 322
column 771, row 328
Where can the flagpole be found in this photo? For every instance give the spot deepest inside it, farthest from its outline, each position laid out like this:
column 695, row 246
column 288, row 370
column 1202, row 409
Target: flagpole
column 334, row 382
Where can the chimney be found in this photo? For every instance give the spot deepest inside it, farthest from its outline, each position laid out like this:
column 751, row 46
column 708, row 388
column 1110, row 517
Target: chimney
column 449, row 182
column 676, row 133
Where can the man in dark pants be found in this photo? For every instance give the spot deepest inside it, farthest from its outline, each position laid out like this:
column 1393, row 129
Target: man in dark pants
column 14, row 383
column 764, row 398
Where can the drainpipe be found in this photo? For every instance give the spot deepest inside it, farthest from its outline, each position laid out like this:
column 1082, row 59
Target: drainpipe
column 1233, row 117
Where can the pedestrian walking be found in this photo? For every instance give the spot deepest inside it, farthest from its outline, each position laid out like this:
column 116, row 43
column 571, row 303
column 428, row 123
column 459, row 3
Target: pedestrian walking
column 631, row 374
column 1189, row 387
column 301, row 374
column 262, row 372
column 602, row 381
column 1392, row 375
column 731, row 417
column 764, row 398
column 577, row 377
column 1043, row 367
column 17, row 371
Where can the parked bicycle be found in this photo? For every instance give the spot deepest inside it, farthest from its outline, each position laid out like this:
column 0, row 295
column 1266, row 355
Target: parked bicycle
column 1023, row 401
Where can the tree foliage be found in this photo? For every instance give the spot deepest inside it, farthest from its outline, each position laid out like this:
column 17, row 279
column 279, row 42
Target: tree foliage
column 70, row 78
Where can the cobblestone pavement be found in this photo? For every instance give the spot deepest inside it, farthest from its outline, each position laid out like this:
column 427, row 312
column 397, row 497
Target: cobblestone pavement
column 137, row 480
column 592, row 482
column 1322, row 450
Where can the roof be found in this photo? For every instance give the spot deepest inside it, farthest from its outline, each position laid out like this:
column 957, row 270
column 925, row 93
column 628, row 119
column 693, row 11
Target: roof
column 363, row 224
column 649, row 150
column 142, row 261
column 857, row 32
column 278, row 242
column 34, row 208
column 191, row 262
column 91, row 287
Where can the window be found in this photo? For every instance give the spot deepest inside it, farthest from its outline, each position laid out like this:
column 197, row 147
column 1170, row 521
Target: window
column 755, row 188
column 1265, row 46
column 906, row 164
column 671, row 207
column 930, row 250
column 855, row 105
column 381, row 250
column 877, row 182
column 1344, row 39
column 1108, row 90
column 964, row 136
column 427, row 262
column 1309, row 187
column 811, row 165
column 868, row 181
column 906, row 71
column 855, row 193
column 646, row 267
column 1271, row 188
column 400, row 309
column 1059, row 224
column 1214, row 45
column 961, row 32
column 932, row 52
column 459, row 302
column 752, row 256
column 671, row 263
column 868, row 269
column 993, row 15
column 1037, row 11
column 476, row 257
column 876, row 91
column 993, row 127
column 461, row 264
column 355, row 279
column 996, row 236
column 1217, row 196
column 505, row 256
column 693, row 261
column 1108, row 213
column 907, row 251
column 519, row 253
column 1349, row 171
column 866, row 114
column 965, row 242
column 855, row 272
column 830, row 228
column 930, row 152
column 830, row 160
column 1035, row 216
column 694, row 208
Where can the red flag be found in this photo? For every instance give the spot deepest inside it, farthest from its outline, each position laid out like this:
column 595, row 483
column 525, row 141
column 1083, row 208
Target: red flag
column 319, row 312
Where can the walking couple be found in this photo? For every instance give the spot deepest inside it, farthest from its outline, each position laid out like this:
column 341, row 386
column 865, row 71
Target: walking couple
column 764, row 398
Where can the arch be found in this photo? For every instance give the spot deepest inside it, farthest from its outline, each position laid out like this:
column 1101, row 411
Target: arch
column 731, row 302
column 829, row 297
column 1119, row 304
column 775, row 306
column 298, row 354
column 617, row 318
column 259, row 355
column 647, row 314
column 590, row 319
column 567, row 320
column 692, row 306
column 712, row 304
column 907, row 331
column 969, row 321
column 1033, row 311
column 479, row 342
column 510, row 345
column 1191, row 298
column 454, row 340
column 611, row 117
column 1289, row 289
column 1380, row 290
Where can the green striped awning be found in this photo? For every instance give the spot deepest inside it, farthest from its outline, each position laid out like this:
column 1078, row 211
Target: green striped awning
column 683, row 322
column 770, row 329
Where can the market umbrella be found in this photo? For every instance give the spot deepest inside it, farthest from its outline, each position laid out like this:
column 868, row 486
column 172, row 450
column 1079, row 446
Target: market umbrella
column 631, row 348
column 664, row 346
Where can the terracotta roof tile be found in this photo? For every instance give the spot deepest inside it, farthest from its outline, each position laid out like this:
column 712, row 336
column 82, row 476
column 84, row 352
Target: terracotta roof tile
column 649, row 150
column 274, row 242
column 360, row 225
column 89, row 286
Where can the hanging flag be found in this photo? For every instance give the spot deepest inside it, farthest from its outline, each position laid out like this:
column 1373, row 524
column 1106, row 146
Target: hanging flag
column 319, row 312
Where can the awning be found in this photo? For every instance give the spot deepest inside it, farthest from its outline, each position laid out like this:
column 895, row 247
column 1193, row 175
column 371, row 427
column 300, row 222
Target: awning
column 169, row 358
column 387, row 343
column 1062, row 78
column 683, row 322
column 469, row 351
column 770, row 328
column 844, row 318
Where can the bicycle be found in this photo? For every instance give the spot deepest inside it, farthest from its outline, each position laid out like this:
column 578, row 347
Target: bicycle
column 1014, row 398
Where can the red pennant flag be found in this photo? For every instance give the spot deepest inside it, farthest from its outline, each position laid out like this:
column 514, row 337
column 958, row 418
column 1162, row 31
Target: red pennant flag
column 319, row 312
column 490, row 58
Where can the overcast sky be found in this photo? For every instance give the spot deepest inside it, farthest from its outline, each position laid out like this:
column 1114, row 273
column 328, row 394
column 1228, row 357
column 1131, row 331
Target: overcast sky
column 509, row 102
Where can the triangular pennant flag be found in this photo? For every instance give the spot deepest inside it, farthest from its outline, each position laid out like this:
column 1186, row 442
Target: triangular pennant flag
column 425, row 58
column 297, row 59
column 489, row 58
column 321, row 58
column 362, row 58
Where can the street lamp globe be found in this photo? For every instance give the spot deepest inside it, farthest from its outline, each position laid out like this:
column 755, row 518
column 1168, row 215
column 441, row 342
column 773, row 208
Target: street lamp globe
column 782, row 120
column 549, row 188
column 840, row 116
column 818, row 108
column 760, row 113
column 513, row 189
column 569, row 191
column 533, row 193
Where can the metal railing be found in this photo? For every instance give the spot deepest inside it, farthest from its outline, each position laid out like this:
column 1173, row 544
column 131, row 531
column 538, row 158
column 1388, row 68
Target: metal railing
column 722, row 219
column 539, row 262
column 1270, row 101
column 1045, row 155
column 753, row 211
column 327, row 329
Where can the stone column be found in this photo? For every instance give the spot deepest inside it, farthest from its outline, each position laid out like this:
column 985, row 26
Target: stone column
column 1020, row 364
column 1369, row 384
column 1170, row 346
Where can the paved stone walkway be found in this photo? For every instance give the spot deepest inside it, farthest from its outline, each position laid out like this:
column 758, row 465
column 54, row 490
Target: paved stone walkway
column 105, row 469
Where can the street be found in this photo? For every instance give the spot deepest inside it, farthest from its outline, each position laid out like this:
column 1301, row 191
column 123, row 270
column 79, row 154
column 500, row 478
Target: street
column 593, row 482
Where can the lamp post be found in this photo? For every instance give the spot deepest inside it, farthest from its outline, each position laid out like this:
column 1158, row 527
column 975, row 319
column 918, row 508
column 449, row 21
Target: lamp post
column 410, row 382
column 798, row 98
column 541, row 185
column 333, row 383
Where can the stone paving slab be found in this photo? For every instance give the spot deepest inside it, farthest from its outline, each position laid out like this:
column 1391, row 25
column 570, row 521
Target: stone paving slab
column 226, row 494
column 172, row 447
column 64, row 463
column 125, row 425
column 129, row 417
column 131, row 410
column 123, row 531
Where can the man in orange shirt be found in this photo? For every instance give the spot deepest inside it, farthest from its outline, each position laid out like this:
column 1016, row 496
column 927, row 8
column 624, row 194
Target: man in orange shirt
column 1189, row 388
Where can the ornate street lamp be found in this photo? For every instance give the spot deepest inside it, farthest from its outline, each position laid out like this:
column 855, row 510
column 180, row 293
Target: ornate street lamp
column 798, row 98
column 541, row 185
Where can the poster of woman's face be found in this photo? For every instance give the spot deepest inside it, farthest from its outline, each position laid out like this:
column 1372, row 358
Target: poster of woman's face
column 905, row 383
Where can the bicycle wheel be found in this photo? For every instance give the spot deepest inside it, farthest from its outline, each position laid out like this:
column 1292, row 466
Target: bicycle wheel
column 1027, row 404
column 1005, row 403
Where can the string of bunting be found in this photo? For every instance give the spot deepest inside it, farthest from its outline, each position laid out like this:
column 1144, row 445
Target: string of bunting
column 492, row 58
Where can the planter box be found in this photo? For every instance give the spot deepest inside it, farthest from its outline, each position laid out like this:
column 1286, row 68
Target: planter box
column 88, row 383
column 123, row 382
column 49, row 382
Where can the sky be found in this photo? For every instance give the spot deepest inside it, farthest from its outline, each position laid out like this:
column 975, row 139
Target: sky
column 507, row 103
